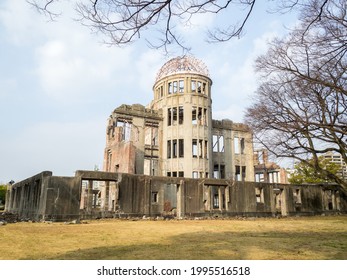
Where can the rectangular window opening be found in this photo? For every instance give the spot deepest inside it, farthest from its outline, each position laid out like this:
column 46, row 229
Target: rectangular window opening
column 243, row 173
column 193, row 85
column 181, row 86
column 215, row 143
column 199, row 87
column 297, row 196
column 194, row 119
column 200, row 148
column 174, row 149
column 205, row 150
column 169, row 116
column 169, row 149
column 155, row 197
column 195, row 147
column 200, row 117
column 221, row 144
column 181, row 148
column 215, row 195
column 174, row 115
column 219, row 171
column 259, row 194
column 242, row 145
column 218, row 143
column 237, row 173
column 175, row 87
column 236, row 145
column 180, row 115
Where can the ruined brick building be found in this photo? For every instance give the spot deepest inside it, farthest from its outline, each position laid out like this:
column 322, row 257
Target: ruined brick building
column 171, row 158
column 175, row 134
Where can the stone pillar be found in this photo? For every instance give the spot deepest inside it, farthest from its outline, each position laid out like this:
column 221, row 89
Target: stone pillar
column 8, row 199
column 284, row 202
column 220, row 198
column 227, row 197
column 180, row 200
column 107, row 196
column 90, row 196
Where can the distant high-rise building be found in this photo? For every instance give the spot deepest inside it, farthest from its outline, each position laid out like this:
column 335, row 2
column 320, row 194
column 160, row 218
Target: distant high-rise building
column 338, row 160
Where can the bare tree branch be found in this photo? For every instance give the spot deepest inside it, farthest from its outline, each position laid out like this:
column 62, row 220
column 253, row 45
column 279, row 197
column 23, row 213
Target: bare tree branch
column 124, row 21
column 300, row 110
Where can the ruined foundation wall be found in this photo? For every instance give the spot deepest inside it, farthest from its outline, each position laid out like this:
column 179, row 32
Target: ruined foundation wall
column 27, row 198
column 160, row 196
column 47, row 197
column 62, row 199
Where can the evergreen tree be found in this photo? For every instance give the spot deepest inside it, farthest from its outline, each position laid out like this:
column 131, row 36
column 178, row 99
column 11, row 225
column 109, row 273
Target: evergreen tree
column 306, row 173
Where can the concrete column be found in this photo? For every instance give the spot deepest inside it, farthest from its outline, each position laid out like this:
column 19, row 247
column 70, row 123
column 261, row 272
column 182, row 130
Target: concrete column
column 284, row 202
column 180, row 199
column 13, row 198
column 227, row 197
column 8, row 199
column 21, row 199
column 220, row 198
column 90, row 196
column 107, row 196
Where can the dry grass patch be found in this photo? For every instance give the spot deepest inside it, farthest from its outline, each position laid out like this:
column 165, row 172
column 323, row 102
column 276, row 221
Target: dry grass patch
column 290, row 238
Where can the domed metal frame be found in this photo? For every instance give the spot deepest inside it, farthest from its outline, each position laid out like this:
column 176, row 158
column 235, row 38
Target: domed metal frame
column 182, row 64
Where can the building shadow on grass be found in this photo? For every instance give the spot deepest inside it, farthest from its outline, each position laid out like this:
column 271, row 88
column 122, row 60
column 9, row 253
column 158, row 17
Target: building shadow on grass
column 227, row 245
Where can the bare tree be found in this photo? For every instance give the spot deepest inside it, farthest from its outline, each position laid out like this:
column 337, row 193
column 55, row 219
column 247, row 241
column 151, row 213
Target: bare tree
column 300, row 110
column 124, row 21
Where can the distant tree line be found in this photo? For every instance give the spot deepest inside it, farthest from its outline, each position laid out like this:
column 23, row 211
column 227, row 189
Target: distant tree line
column 3, row 189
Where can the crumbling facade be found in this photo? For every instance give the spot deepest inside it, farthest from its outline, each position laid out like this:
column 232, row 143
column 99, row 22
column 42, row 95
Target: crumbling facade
column 48, row 197
column 266, row 171
column 44, row 197
column 175, row 134
column 171, row 159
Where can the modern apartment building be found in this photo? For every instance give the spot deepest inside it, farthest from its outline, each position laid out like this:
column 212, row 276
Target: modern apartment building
column 338, row 160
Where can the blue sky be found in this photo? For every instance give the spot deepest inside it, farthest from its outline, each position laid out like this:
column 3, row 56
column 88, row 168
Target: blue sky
column 59, row 83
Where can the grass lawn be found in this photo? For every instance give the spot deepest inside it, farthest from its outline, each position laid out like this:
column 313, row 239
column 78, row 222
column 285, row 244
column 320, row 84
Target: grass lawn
column 287, row 238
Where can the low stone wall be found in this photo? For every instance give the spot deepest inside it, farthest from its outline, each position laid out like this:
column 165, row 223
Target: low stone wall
column 95, row 194
column 44, row 197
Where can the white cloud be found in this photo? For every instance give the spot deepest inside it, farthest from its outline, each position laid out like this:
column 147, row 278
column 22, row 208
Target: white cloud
column 70, row 62
column 236, row 77
column 68, row 70
column 23, row 24
column 7, row 86
column 73, row 65
column 197, row 23
column 147, row 67
column 62, row 147
column 64, row 64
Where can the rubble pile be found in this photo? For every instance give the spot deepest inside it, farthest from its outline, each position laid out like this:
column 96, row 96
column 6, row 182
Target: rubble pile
column 7, row 217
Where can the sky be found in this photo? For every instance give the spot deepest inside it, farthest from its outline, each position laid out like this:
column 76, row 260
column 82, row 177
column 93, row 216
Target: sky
column 59, row 83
